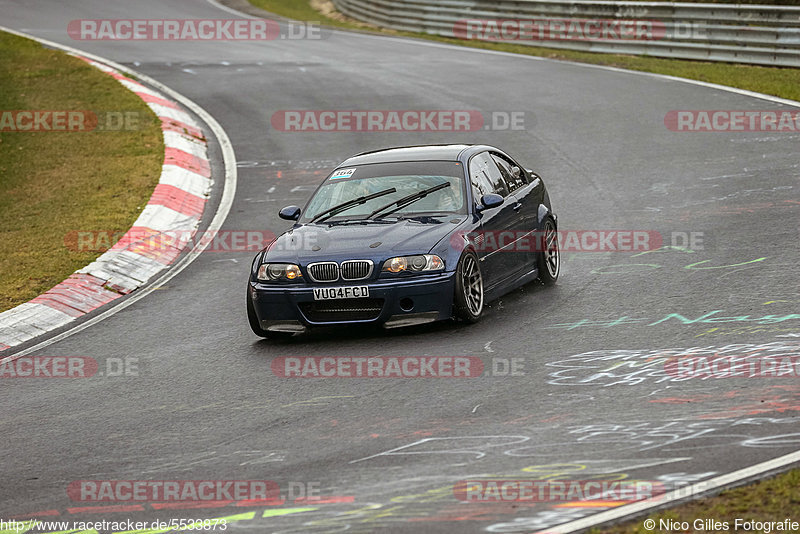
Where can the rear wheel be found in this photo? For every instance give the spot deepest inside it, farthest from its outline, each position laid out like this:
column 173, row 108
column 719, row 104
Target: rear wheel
column 469, row 289
column 548, row 261
column 256, row 328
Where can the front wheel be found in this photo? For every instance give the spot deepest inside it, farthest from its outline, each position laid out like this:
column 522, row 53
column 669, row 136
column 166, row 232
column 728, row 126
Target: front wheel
column 469, row 289
column 548, row 261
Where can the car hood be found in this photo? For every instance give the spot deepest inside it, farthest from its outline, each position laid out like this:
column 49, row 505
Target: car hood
column 308, row 243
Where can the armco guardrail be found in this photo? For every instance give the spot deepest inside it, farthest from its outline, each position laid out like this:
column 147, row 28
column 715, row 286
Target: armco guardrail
column 759, row 34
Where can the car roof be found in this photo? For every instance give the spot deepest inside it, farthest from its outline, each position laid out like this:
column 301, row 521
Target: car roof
column 408, row 153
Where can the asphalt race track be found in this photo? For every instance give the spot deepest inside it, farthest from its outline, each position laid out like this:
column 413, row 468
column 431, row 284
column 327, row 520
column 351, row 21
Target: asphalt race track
column 204, row 403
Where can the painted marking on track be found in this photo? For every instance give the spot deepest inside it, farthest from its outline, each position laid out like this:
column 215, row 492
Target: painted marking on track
column 459, row 446
column 332, row 499
column 106, row 509
column 286, row 511
column 589, row 504
column 317, row 401
column 45, row 513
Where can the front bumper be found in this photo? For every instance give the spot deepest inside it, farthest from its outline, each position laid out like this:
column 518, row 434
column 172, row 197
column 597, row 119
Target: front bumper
column 392, row 303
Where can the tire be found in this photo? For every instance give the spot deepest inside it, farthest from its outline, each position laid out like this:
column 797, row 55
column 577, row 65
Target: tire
column 256, row 328
column 548, row 261
column 468, row 299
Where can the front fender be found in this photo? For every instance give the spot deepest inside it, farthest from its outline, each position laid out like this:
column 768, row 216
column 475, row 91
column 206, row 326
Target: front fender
column 255, row 265
column 450, row 247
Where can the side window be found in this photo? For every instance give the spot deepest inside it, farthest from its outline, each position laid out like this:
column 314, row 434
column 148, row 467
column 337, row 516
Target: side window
column 485, row 177
column 478, row 178
column 505, row 169
column 500, row 185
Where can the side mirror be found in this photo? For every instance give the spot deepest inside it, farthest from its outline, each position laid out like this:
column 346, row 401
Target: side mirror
column 290, row 213
column 489, row 201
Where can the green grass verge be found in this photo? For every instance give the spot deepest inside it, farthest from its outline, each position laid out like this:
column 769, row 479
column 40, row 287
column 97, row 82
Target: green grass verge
column 52, row 183
column 778, row 81
column 775, row 499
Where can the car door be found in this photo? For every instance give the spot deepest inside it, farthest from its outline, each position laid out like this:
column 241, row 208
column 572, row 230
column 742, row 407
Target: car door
column 497, row 238
column 529, row 191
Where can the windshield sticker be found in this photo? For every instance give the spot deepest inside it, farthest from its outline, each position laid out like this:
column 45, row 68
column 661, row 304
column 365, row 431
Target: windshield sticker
column 342, row 173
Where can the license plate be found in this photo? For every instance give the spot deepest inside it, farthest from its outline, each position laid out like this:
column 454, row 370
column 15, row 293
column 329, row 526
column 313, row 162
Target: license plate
column 349, row 292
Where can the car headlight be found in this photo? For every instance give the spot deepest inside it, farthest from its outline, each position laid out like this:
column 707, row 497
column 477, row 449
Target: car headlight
column 278, row 271
column 414, row 264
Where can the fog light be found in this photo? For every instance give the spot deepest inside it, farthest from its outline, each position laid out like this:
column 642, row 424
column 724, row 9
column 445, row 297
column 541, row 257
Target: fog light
column 406, row 304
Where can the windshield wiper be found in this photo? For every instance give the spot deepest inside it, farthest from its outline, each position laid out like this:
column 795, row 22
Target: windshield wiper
column 419, row 216
column 362, row 221
column 330, row 212
column 405, row 201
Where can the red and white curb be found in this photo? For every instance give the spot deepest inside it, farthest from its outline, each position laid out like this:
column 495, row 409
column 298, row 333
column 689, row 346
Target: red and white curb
column 176, row 207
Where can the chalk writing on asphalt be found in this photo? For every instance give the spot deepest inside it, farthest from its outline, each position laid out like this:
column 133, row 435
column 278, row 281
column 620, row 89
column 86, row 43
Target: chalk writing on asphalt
column 630, row 367
column 711, row 317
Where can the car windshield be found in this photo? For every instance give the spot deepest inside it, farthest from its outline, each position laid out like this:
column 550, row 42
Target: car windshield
column 350, row 183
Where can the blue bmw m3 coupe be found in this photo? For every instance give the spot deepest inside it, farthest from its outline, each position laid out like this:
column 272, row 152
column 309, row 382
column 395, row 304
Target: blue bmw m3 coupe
column 406, row 236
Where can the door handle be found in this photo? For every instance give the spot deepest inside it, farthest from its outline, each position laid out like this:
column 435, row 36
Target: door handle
column 518, row 206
